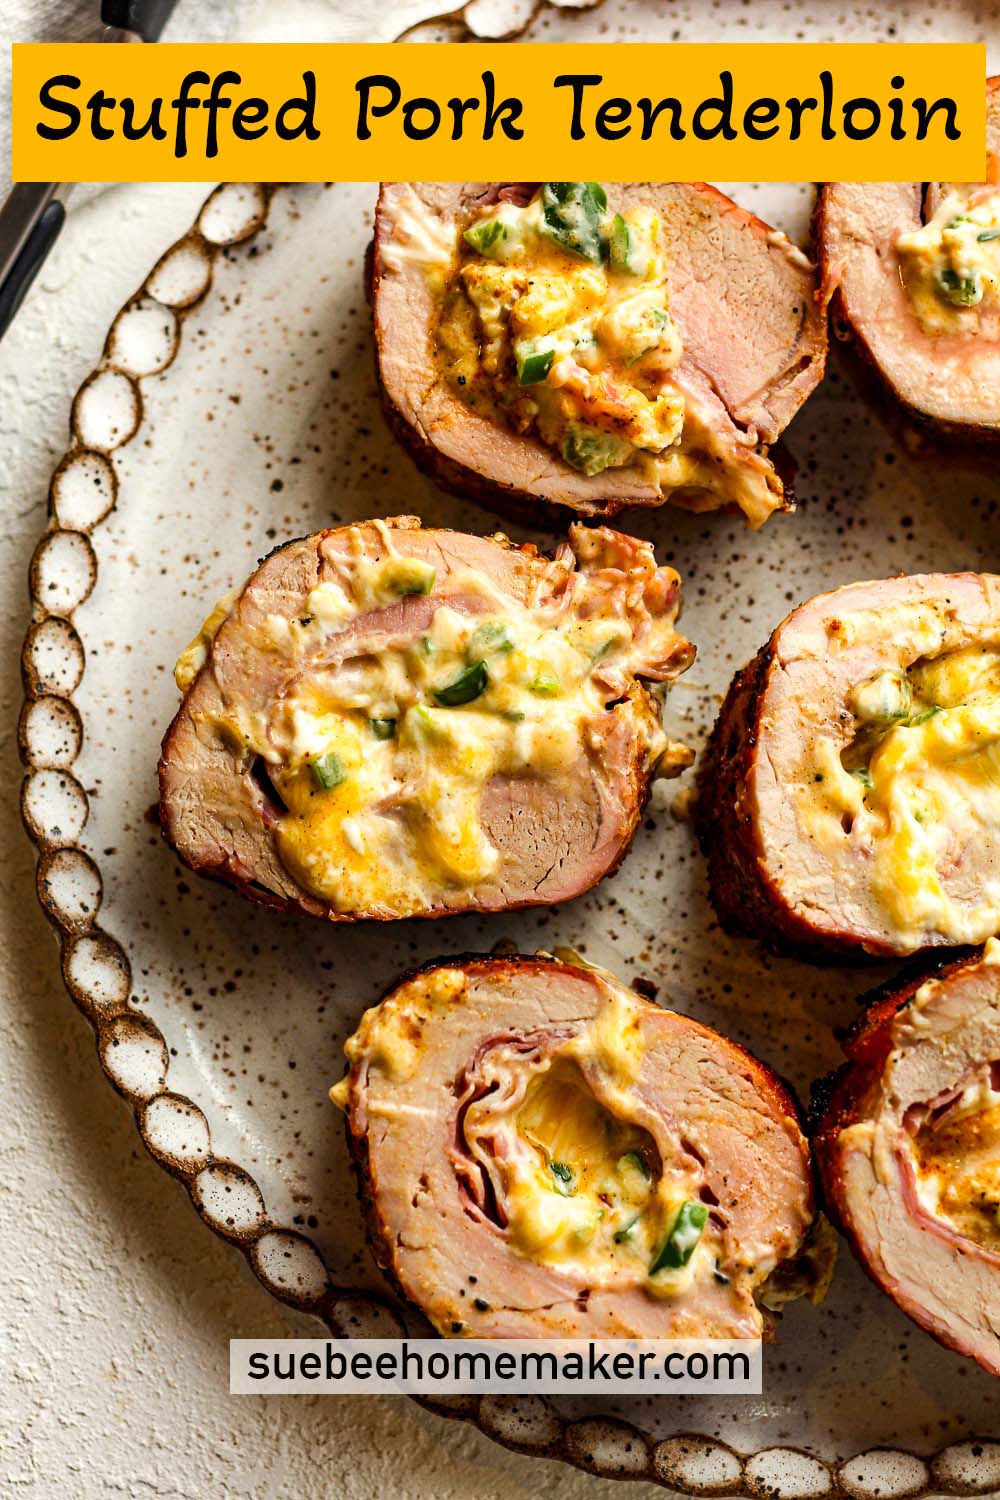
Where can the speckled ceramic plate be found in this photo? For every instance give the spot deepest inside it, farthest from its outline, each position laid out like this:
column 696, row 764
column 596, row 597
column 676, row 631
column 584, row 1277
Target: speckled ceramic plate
column 234, row 407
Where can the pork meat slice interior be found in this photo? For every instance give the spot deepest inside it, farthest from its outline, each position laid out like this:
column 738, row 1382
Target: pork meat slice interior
column 669, row 353
column 850, row 800
column 391, row 721
column 542, row 1153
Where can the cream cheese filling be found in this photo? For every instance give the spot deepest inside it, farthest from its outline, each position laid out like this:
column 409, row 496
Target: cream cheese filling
column 916, row 791
column 582, row 352
column 951, row 265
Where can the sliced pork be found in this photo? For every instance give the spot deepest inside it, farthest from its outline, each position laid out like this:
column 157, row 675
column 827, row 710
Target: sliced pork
column 913, row 272
column 592, row 347
column 390, row 721
column 908, row 1147
column 542, row 1153
column 849, row 799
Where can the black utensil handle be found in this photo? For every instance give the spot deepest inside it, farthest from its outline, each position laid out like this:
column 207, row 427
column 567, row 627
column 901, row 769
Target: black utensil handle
column 24, row 270
column 146, row 18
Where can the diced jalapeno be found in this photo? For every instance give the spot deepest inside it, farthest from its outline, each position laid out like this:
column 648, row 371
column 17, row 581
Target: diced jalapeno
column 572, row 214
column 545, row 685
column 627, row 1230
column 864, row 776
column 328, row 770
column 963, row 290
column 564, row 1178
column 491, row 636
column 921, row 718
column 633, row 1159
column 486, row 236
column 987, row 234
column 534, row 361
column 383, row 729
column 413, row 577
column 619, row 244
column 680, row 1244
column 591, row 451
column 605, row 648
column 467, row 686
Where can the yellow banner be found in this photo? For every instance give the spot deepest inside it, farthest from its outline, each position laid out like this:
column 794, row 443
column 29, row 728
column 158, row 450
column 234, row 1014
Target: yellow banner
column 455, row 112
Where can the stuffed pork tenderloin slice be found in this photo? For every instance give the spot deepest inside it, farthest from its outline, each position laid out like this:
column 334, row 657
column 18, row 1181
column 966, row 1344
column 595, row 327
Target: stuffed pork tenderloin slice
column 390, row 721
column 541, row 1153
column 592, row 347
column 908, row 1146
column 849, row 799
column 912, row 271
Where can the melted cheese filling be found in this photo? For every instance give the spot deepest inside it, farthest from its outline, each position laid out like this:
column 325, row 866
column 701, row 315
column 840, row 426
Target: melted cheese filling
column 957, row 1158
column 584, row 1188
column 603, row 338
column 918, row 786
column 541, row 339
column 382, row 762
column 951, row 265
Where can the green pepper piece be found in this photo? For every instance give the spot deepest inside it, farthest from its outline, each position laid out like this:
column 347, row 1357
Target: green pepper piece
column 533, row 362
column 685, row 1232
column 545, row 686
column 468, row 685
column 864, row 776
column 590, row 451
column 627, row 1230
column 622, row 249
column 383, row 729
column 486, row 236
column 328, row 770
column 571, row 215
column 964, row 291
column 987, row 234
column 633, row 1159
column 418, row 578
column 564, row 1178
column 489, row 637
column 619, row 244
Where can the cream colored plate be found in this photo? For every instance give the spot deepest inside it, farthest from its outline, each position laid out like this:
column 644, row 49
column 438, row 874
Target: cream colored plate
column 234, row 408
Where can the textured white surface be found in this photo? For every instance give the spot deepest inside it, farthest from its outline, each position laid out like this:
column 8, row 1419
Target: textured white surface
column 118, row 1303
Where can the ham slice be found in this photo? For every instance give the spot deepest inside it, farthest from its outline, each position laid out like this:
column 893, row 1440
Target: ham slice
column 919, row 1044
column 438, row 1224
column 742, row 296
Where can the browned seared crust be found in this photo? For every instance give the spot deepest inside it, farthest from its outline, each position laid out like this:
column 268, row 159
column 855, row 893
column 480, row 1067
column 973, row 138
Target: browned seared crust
column 779, row 395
